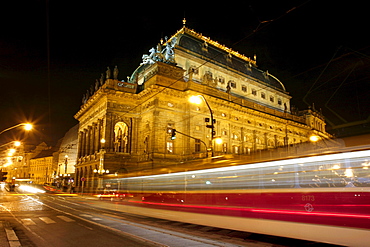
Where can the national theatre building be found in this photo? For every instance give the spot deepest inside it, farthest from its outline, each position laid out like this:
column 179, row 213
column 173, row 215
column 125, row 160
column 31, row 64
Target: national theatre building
column 147, row 121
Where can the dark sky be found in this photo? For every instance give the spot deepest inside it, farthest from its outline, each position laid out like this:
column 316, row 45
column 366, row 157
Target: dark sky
column 49, row 56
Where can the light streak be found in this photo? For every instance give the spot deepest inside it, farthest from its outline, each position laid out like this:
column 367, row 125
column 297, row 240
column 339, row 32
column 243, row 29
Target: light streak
column 277, row 163
column 254, row 210
column 30, row 189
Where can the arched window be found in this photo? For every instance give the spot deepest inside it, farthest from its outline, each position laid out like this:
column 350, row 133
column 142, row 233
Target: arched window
column 121, row 137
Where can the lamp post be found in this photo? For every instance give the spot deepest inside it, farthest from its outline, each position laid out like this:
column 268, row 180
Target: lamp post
column 100, row 171
column 26, row 126
column 198, row 100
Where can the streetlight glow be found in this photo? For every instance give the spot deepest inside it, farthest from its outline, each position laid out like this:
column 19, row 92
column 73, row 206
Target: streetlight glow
column 218, row 140
column 28, row 126
column 198, row 100
column 314, row 138
column 195, row 99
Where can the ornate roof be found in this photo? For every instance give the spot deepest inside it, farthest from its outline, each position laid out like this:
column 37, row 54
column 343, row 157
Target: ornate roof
column 207, row 49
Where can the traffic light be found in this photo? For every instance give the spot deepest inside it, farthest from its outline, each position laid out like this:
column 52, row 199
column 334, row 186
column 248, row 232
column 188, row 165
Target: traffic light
column 173, row 134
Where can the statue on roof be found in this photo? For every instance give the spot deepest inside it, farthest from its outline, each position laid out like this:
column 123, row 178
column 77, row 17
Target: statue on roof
column 101, row 79
column 149, row 59
column 108, row 73
column 157, row 54
column 168, row 51
column 97, row 84
column 115, row 73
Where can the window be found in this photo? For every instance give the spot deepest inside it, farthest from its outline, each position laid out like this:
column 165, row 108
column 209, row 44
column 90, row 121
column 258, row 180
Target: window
column 244, row 88
column 224, row 147
column 280, row 102
column 197, row 145
column 254, row 92
column 121, row 137
column 205, row 47
column 169, row 147
column 221, row 80
column 263, row 95
column 272, row 99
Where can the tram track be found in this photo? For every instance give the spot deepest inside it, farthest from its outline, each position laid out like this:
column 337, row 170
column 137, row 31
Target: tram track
column 202, row 234
column 129, row 224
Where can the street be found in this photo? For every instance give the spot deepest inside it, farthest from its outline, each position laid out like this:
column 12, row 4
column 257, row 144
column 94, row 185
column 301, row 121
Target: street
column 40, row 221
column 68, row 220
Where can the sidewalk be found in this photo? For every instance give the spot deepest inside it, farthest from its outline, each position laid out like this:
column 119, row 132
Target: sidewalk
column 8, row 238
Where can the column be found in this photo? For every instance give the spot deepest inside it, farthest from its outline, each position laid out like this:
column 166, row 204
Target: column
column 79, row 147
column 83, row 143
column 99, row 134
column 89, row 140
column 109, row 133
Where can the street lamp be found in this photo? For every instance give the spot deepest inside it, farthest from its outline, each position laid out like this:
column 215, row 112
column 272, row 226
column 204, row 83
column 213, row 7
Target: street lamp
column 314, row 138
column 197, row 99
column 101, row 171
column 26, row 126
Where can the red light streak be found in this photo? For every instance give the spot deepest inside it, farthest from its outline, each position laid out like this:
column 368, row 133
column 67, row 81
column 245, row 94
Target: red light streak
column 270, row 211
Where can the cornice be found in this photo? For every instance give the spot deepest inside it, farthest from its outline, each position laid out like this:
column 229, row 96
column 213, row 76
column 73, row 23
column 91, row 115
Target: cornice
column 208, row 40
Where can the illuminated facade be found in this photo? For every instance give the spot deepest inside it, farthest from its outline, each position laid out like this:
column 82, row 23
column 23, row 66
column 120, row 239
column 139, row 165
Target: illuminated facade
column 18, row 163
column 41, row 167
column 134, row 118
column 66, row 158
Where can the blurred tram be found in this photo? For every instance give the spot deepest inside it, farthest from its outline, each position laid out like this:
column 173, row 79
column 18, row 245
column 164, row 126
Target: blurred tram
column 324, row 197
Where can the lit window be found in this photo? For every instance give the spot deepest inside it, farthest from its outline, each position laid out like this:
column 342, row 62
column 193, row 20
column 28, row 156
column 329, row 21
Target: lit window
column 169, row 147
column 224, row 147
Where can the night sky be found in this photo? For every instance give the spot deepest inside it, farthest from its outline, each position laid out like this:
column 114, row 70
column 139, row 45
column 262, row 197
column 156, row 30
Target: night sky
column 51, row 52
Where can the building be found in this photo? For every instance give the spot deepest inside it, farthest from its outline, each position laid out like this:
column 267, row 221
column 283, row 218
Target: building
column 41, row 164
column 41, row 167
column 66, row 158
column 15, row 159
column 148, row 122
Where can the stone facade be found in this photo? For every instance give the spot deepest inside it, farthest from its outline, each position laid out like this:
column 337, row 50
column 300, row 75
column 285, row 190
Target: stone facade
column 251, row 109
